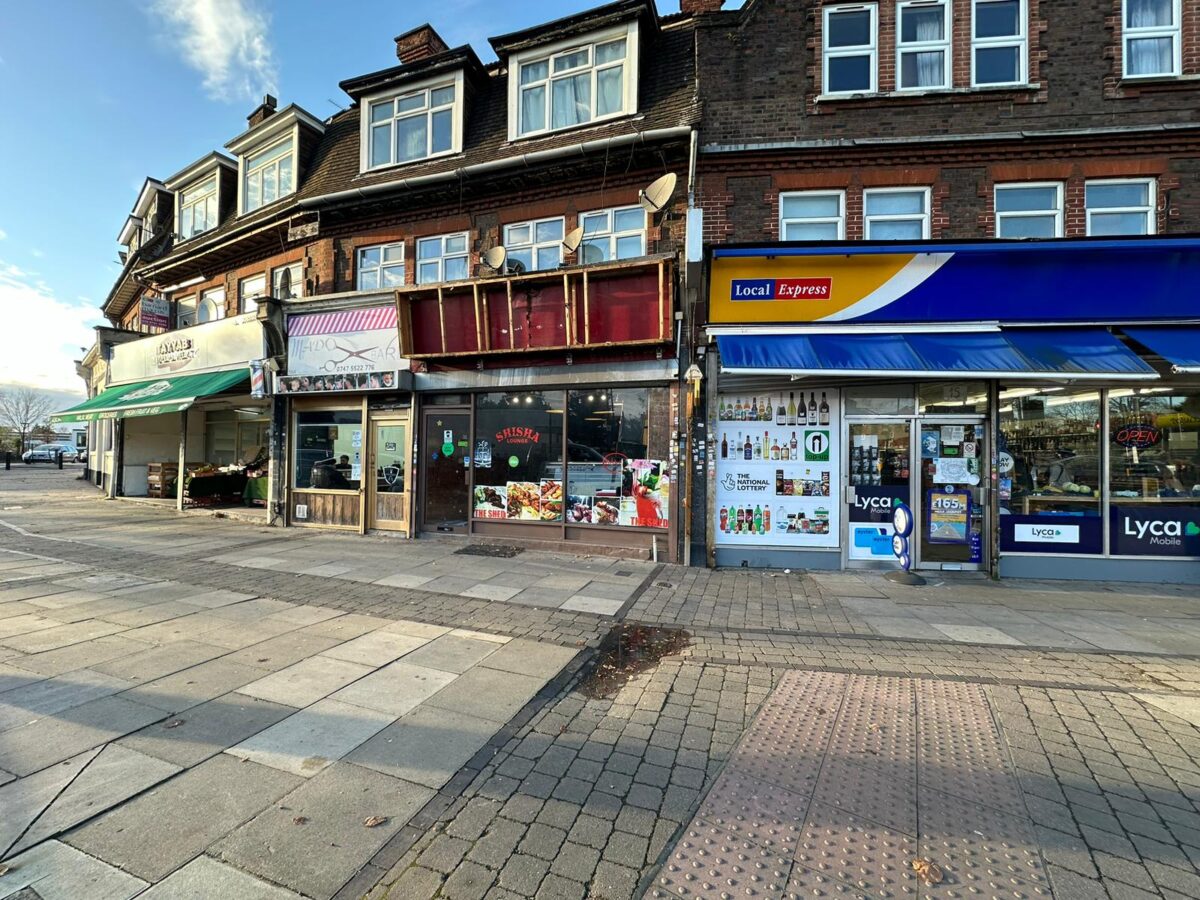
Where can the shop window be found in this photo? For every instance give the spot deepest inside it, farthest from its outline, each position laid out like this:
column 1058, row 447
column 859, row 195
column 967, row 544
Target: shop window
column 1151, row 35
column 1154, row 472
column 535, row 245
column 881, row 400
column 415, row 125
column 518, row 458
column 328, row 454
column 812, row 216
column 618, row 447
column 442, row 258
column 250, row 290
column 1120, row 207
column 381, row 266
column 1029, row 210
column 287, row 282
column 850, row 47
column 998, row 42
column 896, row 214
column 1050, row 476
column 923, row 45
column 185, row 312
column 953, row 398
column 212, row 305
column 612, row 234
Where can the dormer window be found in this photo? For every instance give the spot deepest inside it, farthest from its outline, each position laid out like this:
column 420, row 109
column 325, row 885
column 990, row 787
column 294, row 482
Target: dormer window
column 269, row 175
column 573, row 83
column 412, row 125
column 198, row 208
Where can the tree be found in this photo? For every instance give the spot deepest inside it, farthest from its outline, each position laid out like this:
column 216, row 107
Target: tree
column 21, row 408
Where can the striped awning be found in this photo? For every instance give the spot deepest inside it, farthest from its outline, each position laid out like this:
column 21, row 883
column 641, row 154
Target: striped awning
column 374, row 318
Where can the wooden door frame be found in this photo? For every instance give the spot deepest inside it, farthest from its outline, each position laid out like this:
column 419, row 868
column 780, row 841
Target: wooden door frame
column 385, row 419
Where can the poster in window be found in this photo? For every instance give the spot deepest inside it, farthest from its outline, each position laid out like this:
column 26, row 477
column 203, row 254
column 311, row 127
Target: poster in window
column 523, row 500
column 948, row 512
column 491, row 502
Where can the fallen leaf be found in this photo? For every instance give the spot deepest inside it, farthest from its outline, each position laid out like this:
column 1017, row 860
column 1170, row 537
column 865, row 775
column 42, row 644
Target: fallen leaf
column 4, row 870
column 174, row 724
column 300, row 820
column 873, row 727
column 375, row 821
column 927, row 870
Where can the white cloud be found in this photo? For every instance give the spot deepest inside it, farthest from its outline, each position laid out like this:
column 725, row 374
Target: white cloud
column 226, row 42
column 3, row 234
column 43, row 335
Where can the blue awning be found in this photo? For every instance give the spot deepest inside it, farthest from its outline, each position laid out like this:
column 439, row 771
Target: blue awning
column 1056, row 353
column 1178, row 344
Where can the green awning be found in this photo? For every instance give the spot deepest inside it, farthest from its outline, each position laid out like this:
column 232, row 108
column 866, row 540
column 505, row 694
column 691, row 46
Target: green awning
column 150, row 398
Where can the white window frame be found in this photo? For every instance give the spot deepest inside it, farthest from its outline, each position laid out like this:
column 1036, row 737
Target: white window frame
column 186, row 312
column 944, row 45
column 612, row 235
column 1174, row 32
column 897, row 217
column 359, row 268
column 182, row 209
column 1150, row 210
column 839, row 220
column 1020, row 41
column 871, row 50
column 213, row 299
column 629, row 106
column 245, row 173
column 533, row 245
column 248, row 302
column 297, row 284
column 366, row 127
column 1029, row 213
column 442, row 257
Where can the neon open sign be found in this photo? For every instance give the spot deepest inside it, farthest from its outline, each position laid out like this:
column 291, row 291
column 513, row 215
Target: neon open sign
column 1137, row 436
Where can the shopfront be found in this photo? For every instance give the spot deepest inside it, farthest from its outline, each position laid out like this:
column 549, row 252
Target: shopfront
column 1030, row 438
column 183, row 402
column 349, row 400
column 585, row 457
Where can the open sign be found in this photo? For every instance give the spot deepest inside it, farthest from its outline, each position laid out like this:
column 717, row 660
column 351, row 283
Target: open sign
column 1137, row 436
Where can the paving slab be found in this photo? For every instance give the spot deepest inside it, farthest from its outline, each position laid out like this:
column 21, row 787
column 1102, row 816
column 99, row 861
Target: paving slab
column 599, row 606
column 1183, row 707
column 149, row 613
column 376, row 648
column 43, row 698
column 18, row 625
column 306, row 682
column 976, row 634
column 396, row 688
column 402, row 580
column 319, row 856
column 13, row 678
column 81, row 656
column 346, row 627
column 24, row 799
column 158, row 662
column 159, row 831
column 218, row 598
column 282, row 651
column 56, row 871
column 62, row 599
column 415, row 629
column 312, row 739
column 487, row 694
column 539, row 659
column 452, row 653
column 205, row 877
column 195, row 685
column 60, row 636
column 110, row 777
column 205, row 730
column 56, row 738
column 427, row 746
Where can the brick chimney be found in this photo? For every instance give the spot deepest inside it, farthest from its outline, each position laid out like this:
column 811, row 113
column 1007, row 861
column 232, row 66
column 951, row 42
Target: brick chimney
column 420, row 43
column 700, row 7
column 265, row 110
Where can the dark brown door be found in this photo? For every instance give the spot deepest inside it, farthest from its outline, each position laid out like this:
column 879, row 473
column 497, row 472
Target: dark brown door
column 445, row 462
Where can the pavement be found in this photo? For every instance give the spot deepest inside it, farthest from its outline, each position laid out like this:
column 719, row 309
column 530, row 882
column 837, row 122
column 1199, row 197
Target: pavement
column 184, row 712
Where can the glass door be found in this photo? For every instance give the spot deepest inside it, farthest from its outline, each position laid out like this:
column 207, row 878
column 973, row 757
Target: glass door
column 387, row 502
column 446, row 469
column 953, row 495
column 879, row 468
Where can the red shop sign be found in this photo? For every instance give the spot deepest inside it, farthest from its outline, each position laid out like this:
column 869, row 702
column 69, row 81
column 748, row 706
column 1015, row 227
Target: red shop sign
column 518, row 436
column 1138, row 436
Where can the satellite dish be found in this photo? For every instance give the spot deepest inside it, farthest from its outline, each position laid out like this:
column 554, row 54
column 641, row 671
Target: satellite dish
column 494, row 258
column 516, row 267
column 573, row 239
column 285, row 285
column 658, row 194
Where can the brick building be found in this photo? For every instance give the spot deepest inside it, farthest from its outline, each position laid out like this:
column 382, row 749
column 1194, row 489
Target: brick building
column 965, row 227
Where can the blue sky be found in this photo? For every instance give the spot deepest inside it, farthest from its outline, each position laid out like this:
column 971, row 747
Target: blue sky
column 96, row 96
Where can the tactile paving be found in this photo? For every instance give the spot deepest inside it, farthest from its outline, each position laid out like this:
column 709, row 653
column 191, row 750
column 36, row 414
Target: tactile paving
column 711, row 863
column 982, row 852
column 867, row 858
column 881, row 793
column 756, row 811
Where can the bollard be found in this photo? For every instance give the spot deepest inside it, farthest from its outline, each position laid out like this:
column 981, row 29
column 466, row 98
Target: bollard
column 7, row 460
column 60, row 456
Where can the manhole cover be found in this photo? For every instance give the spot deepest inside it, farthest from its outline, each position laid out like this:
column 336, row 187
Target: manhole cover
column 627, row 650
column 497, row 551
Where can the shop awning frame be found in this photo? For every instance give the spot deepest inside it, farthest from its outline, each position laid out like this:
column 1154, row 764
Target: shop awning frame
column 151, row 398
column 1052, row 354
column 1177, row 344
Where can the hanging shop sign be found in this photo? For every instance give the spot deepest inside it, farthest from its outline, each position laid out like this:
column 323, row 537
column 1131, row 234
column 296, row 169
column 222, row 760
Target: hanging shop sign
column 1137, row 436
column 948, row 515
column 1005, row 283
column 776, row 476
column 155, row 311
column 348, row 342
column 214, row 346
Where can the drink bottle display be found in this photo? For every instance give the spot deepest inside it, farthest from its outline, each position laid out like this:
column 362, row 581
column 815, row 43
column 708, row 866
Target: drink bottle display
column 812, row 408
column 785, row 452
column 754, row 409
column 795, row 446
column 764, row 411
column 802, row 411
column 766, row 520
column 781, row 413
column 758, row 520
column 747, row 448
column 757, row 449
column 791, row 408
column 725, row 518
column 824, row 410
column 775, row 450
column 724, row 447
column 737, row 410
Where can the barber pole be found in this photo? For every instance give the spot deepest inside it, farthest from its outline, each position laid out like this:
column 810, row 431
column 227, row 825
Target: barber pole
column 258, row 381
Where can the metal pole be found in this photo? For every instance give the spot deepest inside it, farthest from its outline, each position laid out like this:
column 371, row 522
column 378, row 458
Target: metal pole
column 7, row 460
column 179, row 479
column 60, row 456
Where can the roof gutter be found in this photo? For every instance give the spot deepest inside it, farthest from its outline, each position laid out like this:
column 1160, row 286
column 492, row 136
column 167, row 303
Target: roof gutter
column 525, row 160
